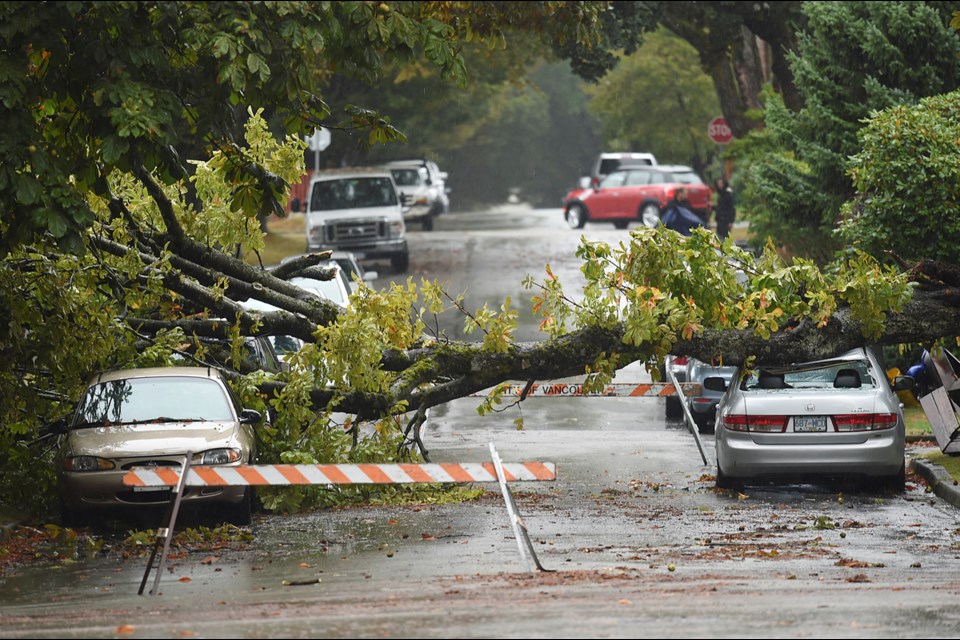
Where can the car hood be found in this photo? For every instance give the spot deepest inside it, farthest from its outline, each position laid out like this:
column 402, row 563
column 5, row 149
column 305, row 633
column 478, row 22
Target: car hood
column 335, row 215
column 172, row 438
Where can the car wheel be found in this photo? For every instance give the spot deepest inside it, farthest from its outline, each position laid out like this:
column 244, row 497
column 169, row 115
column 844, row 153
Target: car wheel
column 576, row 216
column 400, row 263
column 650, row 215
column 895, row 483
column 73, row 518
column 621, row 224
column 240, row 514
column 428, row 222
column 726, row 482
column 674, row 407
column 704, row 425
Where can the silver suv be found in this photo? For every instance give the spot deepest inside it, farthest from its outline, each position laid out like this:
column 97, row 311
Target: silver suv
column 357, row 210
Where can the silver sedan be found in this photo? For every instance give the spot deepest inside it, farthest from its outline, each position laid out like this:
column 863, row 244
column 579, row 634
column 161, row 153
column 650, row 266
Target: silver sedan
column 836, row 417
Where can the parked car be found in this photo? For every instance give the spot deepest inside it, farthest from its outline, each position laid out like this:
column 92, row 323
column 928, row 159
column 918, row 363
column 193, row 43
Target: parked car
column 608, row 162
column 835, row 417
column 350, row 265
column 153, row 418
column 678, row 366
column 703, row 406
column 422, row 187
column 358, row 210
column 637, row 193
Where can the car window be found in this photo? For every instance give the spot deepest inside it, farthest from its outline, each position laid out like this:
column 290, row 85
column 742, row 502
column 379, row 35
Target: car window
column 407, row 177
column 150, row 399
column 638, row 178
column 814, row 376
column 686, row 177
column 351, row 193
column 614, row 180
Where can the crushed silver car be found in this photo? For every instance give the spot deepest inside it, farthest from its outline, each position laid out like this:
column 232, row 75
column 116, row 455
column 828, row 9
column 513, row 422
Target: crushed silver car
column 836, row 417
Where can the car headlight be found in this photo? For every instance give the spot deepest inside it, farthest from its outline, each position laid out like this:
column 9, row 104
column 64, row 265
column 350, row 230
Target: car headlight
column 316, row 233
column 397, row 228
column 216, row 456
column 87, row 463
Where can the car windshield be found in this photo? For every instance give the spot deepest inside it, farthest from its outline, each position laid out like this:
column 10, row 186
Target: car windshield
column 352, row 193
column 164, row 399
column 834, row 374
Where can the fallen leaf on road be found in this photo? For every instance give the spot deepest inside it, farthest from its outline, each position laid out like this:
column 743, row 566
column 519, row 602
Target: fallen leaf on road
column 125, row 629
column 185, row 579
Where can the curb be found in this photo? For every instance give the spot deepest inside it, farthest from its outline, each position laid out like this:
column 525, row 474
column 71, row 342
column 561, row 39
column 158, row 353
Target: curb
column 940, row 481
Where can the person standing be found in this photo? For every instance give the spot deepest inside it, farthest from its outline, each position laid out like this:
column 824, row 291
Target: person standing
column 677, row 215
column 726, row 212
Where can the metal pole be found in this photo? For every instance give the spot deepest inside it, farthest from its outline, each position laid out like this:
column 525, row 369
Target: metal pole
column 167, row 532
column 687, row 416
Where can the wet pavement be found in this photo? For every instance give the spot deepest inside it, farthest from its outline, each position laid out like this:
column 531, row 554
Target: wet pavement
column 639, row 541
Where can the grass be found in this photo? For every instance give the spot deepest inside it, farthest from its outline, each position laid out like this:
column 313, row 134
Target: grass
column 917, row 424
column 285, row 237
column 950, row 463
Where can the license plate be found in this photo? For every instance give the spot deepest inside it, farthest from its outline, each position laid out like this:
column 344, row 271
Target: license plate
column 144, row 489
column 810, row 424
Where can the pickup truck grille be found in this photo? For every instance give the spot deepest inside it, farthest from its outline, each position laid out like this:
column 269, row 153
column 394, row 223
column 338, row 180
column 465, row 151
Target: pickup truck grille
column 351, row 231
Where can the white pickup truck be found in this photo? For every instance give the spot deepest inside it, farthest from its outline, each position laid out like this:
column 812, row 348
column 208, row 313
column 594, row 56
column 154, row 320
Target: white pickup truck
column 358, row 210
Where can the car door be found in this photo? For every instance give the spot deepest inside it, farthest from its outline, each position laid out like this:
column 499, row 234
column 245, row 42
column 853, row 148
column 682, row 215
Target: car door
column 603, row 200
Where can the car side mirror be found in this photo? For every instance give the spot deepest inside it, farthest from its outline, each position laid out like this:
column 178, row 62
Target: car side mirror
column 715, row 383
column 295, row 205
column 904, row 383
column 60, row 426
column 250, row 416
column 370, row 276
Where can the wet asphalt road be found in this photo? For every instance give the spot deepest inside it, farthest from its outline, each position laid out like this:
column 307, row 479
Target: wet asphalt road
column 641, row 543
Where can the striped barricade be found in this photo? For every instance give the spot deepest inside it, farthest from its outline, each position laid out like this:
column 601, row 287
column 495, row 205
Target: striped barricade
column 339, row 474
column 613, row 390
column 312, row 474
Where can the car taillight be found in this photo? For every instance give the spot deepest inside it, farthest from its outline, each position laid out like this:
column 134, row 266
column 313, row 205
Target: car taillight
column 762, row 424
column 864, row 421
column 681, row 361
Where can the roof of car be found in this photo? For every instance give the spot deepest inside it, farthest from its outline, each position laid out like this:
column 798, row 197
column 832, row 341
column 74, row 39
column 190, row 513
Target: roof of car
column 156, row 372
column 352, row 172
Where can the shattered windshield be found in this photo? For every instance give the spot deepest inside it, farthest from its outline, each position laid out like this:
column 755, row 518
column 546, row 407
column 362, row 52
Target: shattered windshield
column 167, row 399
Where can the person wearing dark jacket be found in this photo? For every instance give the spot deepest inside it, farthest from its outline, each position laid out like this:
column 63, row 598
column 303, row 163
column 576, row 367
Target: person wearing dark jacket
column 678, row 216
column 726, row 211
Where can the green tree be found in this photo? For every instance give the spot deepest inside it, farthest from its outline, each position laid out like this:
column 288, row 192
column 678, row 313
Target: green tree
column 907, row 177
column 103, row 100
column 658, row 100
column 852, row 58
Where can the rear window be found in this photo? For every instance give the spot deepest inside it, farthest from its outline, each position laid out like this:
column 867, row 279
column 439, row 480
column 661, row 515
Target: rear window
column 836, row 374
column 152, row 399
column 352, row 193
column 682, row 177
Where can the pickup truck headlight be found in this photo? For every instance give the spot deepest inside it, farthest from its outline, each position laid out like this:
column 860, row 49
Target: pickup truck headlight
column 397, row 228
column 316, row 233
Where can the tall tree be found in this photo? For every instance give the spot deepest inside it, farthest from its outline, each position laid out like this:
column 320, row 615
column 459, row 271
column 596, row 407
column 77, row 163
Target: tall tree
column 853, row 58
column 658, row 100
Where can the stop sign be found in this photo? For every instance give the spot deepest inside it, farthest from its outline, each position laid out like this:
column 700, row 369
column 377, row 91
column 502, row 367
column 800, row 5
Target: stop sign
column 719, row 132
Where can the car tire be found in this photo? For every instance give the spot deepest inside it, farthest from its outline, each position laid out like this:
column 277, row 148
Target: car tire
column 726, row 482
column 704, row 425
column 650, row 214
column 240, row 514
column 73, row 518
column 895, row 483
column 674, row 408
column 576, row 216
column 428, row 222
column 621, row 224
column 400, row 263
